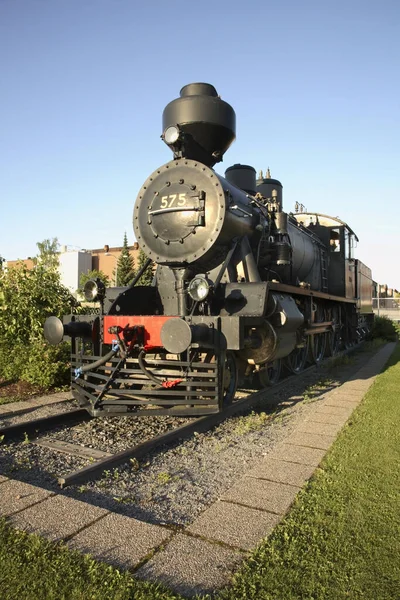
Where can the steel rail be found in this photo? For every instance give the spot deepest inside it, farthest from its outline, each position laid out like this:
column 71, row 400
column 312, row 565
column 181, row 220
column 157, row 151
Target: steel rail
column 200, row 425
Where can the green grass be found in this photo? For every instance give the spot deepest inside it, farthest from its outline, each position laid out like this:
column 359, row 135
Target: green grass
column 251, row 422
column 34, row 569
column 341, row 540
column 342, row 537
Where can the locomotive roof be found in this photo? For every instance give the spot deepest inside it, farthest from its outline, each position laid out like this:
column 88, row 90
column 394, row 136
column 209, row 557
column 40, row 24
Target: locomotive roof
column 325, row 220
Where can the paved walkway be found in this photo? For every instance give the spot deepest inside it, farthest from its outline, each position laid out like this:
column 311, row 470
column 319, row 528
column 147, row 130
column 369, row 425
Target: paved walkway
column 202, row 557
column 36, row 402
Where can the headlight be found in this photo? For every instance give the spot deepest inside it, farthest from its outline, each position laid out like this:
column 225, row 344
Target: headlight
column 94, row 290
column 171, row 135
column 199, row 288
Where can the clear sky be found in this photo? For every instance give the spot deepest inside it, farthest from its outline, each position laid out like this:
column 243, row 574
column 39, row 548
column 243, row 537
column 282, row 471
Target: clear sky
column 315, row 86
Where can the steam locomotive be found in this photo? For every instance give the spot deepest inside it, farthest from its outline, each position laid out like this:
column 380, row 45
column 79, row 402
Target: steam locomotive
column 241, row 286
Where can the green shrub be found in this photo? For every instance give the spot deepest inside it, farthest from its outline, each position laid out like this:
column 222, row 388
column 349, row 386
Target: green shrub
column 47, row 366
column 386, row 329
column 37, row 363
column 27, row 298
column 11, row 362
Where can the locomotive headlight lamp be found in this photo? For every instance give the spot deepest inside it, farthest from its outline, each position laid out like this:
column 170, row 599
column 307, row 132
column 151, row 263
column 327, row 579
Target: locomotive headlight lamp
column 171, row 135
column 94, row 289
column 199, row 288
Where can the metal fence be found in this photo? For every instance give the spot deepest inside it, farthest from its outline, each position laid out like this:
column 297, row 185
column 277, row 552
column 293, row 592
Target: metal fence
column 387, row 307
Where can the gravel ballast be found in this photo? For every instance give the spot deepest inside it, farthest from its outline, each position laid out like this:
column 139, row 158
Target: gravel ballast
column 174, row 484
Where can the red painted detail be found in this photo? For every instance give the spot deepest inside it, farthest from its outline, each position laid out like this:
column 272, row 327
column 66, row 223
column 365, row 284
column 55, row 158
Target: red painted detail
column 171, row 384
column 152, row 327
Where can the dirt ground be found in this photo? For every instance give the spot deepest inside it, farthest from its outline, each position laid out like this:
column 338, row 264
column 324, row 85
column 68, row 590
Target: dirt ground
column 18, row 390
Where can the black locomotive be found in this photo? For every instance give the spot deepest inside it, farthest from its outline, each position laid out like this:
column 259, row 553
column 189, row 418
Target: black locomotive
column 240, row 284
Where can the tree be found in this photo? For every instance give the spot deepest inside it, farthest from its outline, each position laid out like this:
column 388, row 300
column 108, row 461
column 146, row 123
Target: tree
column 125, row 265
column 2, row 260
column 147, row 277
column 48, row 255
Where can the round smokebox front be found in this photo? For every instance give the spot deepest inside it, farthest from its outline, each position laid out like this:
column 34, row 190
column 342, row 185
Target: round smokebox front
column 179, row 212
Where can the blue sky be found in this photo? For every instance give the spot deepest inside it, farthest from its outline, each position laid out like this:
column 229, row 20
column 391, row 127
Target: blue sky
column 315, row 87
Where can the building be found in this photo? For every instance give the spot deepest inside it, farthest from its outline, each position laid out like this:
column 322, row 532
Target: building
column 105, row 259
column 386, row 301
column 73, row 263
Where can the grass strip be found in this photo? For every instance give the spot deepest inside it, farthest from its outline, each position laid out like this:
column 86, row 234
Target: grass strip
column 32, row 568
column 340, row 540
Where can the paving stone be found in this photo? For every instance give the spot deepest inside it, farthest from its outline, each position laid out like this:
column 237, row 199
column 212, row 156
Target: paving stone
column 310, row 440
column 263, row 494
column 57, row 517
column 364, row 375
column 328, row 418
column 282, row 471
column 234, row 525
column 298, row 454
column 119, row 540
column 337, row 401
column 321, row 427
column 360, row 386
column 347, row 395
column 192, row 566
column 373, row 363
column 17, row 495
column 340, row 411
column 367, row 380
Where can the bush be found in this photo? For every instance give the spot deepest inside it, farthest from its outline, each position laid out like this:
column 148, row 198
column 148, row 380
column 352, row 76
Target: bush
column 37, row 363
column 27, row 298
column 47, row 366
column 385, row 329
column 11, row 362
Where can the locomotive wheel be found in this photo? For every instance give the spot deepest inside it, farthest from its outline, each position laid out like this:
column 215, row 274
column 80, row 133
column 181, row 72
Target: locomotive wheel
column 318, row 341
column 318, row 347
column 271, row 374
column 334, row 336
column 296, row 361
column 230, row 377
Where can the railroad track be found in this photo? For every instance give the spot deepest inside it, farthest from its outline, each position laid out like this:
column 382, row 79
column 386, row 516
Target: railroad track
column 103, row 461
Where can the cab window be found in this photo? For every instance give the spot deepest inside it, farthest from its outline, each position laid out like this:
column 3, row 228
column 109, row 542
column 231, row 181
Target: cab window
column 334, row 242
